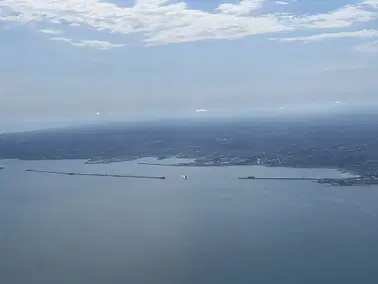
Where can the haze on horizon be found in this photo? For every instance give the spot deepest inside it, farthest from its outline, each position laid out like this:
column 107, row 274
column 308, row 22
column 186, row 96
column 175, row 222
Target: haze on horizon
column 65, row 62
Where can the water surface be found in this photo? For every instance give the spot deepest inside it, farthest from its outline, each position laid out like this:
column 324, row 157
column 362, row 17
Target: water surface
column 211, row 228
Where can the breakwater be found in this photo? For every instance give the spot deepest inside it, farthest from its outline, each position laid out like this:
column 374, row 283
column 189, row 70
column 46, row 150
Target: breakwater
column 279, row 178
column 97, row 175
column 354, row 181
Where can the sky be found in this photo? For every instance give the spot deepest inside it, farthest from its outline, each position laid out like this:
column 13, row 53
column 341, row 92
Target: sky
column 78, row 61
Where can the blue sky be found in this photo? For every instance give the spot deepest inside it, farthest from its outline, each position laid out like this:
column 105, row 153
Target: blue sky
column 88, row 60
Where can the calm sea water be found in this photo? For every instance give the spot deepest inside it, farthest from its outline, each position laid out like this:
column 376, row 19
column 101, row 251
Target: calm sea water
column 211, row 228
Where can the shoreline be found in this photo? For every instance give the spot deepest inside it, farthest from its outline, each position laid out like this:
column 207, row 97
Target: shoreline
column 193, row 164
column 341, row 170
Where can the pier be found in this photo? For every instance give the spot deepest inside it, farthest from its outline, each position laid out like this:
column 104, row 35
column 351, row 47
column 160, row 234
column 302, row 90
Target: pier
column 353, row 181
column 97, row 175
column 279, row 178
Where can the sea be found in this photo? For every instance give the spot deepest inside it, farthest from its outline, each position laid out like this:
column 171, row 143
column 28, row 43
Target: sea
column 210, row 228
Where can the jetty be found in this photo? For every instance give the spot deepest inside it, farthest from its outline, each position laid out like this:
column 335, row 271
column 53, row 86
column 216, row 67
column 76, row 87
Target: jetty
column 278, row 178
column 97, row 175
column 353, row 181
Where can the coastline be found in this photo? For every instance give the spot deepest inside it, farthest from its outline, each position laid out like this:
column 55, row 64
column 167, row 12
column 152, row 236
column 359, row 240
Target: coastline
column 193, row 164
column 341, row 170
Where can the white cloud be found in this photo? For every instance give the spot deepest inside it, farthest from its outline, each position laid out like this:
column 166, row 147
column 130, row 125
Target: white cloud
column 340, row 18
column 99, row 44
column 201, row 110
column 282, row 2
column 244, row 7
column 372, row 3
column 324, row 36
column 50, row 32
column 165, row 21
column 368, row 47
column 62, row 39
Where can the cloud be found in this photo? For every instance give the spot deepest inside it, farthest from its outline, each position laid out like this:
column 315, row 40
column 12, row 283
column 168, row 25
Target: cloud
column 50, row 32
column 282, row 2
column 242, row 8
column 167, row 22
column 201, row 110
column 324, row 36
column 371, row 3
column 368, row 47
column 343, row 17
column 98, row 44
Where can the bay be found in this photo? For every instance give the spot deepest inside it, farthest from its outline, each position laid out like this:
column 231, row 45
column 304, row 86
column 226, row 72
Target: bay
column 211, row 228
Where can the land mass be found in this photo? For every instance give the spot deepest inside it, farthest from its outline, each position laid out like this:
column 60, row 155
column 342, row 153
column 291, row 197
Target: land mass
column 348, row 142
